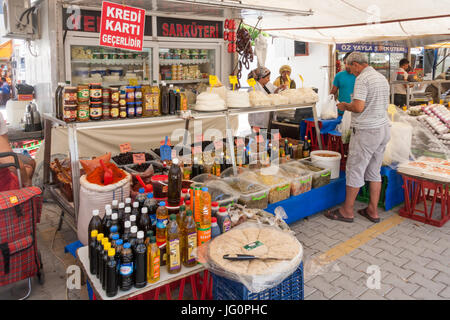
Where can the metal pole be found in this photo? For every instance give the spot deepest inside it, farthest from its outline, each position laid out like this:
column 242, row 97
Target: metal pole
column 47, row 150
column 75, row 165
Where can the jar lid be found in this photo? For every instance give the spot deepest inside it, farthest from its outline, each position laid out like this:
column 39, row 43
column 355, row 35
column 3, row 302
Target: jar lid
column 96, row 103
column 95, row 84
column 138, row 102
column 130, row 103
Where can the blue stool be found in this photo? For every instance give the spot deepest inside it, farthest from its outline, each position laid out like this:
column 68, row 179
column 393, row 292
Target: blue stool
column 72, row 248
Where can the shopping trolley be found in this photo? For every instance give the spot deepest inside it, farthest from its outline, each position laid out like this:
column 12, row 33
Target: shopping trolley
column 20, row 211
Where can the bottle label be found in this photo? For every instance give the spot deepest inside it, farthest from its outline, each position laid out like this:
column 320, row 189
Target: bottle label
column 156, row 267
column 138, row 95
column 226, row 225
column 165, row 221
column 174, row 252
column 203, row 235
column 126, row 269
column 191, row 245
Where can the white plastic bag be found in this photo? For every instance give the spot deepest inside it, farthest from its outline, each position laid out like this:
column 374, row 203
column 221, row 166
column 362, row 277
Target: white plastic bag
column 329, row 108
column 261, row 50
column 344, row 126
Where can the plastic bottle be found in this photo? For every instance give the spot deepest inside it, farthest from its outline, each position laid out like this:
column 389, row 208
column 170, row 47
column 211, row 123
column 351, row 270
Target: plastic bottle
column 173, row 246
column 98, row 249
column 181, row 217
column 106, row 223
column 223, row 220
column 114, row 222
column 133, row 236
column 144, row 222
column 112, row 276
column 113, row 233
column 135, row 210
column 141, row 197
column 153, row 261
column 140, row 258
column 172, row 100
column 164, row 99
column 126, row 268
column 151, row 204
column 204, row 226
column 189, row 235
column 128, row 202
column 156, row 99
column 177, row 100
column 95, row 223
column 183, row 101
column 148, row 236
column 162, row 213
column 93, row 263
column 160, row 233
column 175, row 180
column 115, row 206
column 214, row 209
column 106, row 248
column 120, row 215
column 185, row 194
column 100, row 258
column 197, row 204
column 215, row 230
column 127, row 214
column 126, row 232
column 119, row 248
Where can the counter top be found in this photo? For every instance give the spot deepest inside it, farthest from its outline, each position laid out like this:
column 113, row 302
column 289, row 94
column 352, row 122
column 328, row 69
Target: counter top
column 16, row 133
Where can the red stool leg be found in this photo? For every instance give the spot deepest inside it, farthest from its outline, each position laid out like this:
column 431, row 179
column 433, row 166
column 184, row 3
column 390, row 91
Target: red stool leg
column 180, row 294
column 169, row 297
column 194, row 289
column 157, row 293
column 205, row 285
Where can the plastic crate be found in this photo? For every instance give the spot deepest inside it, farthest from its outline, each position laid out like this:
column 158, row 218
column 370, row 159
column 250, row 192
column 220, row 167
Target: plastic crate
column 290, row 289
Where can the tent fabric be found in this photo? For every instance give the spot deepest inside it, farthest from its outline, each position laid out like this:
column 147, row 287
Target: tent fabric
column 340, row 21
column 6, row 50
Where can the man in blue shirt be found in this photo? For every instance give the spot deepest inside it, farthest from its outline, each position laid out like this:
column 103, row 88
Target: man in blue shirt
column 6, row 91
column 344, row 81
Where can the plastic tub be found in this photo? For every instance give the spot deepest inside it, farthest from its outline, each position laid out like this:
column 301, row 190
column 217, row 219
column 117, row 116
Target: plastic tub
column 301, row 180
column 121, row 160
column 222, row 193
column 160, row 186
column 321, row 176
column 251, row 194
column 280, row 187
column 328, row 160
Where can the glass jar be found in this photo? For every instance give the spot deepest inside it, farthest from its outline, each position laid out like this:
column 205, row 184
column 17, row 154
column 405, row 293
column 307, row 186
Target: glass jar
column 83, row 93
column 96, row 110
column 70, row 112
column 83, row 112
column 115, row 110
column 106, row 111
column 95, row 92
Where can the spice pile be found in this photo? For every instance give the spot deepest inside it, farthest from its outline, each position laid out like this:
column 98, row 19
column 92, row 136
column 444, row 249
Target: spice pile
column 96, row 176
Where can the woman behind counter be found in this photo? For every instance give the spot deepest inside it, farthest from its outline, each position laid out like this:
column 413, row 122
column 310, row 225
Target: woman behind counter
column 262, row 77
column 285, row 72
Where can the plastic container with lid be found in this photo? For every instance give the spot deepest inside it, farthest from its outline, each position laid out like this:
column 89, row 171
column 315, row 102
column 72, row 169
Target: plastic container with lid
column 251, row 194
column 321, row 176
column 301, row 179
column 280, row 187
column 328, row 160
column 160, row 185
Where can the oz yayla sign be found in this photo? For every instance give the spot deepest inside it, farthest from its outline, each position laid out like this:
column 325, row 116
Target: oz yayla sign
column 122, row 26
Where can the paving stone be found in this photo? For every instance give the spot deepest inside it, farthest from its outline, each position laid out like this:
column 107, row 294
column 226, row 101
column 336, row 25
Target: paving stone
column 316, row 295
column 425, row 294
column 435, row 248
column 322, row 247
column 344, row 295
column 389, row 239
column 414, row 257
column 430, row 285
column 443, row 243
column 371, row 295
column 443, row 278
column 350, row 261
column 307, row 290
column 397, row 294
column 306, row 241
column 354, row 288
column 411, row 247
column 430, row 238
column 445, row 293
column 370, row 259
column 326, row 240
column 340, row 236
column 446, row 252
column 383, row 245
column 436, row 265
column 434, row 256
column 368, row 248
column 425, row 271
column 406, row 286
column 306, row 231
column 398, row 261
column 328, row 290
column 391, row 268
column 330, row 276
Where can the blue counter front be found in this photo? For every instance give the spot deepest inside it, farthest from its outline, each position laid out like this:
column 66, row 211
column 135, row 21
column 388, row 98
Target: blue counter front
column 314, row 201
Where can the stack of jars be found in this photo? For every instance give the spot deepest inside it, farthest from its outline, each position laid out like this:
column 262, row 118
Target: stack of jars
column 133, row 99
column 70, row 104
column 83, row 103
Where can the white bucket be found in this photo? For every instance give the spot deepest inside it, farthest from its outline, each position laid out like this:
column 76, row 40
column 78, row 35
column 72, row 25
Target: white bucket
column 332, row 163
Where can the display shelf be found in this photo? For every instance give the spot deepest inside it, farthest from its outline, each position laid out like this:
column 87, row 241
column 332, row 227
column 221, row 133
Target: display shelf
column 169, row 62
column 110, row 61
column 185, row 81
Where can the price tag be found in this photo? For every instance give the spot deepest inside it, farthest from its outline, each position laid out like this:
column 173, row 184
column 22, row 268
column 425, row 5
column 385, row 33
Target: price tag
column 133, row 82
column 138, row 158
column 126, row 147
column 218, row 144
column 233, row 81
column 212, row 81
column 251, row 82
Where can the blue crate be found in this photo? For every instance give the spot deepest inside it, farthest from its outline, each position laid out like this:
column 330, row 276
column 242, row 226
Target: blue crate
column 72, row 249
column 290, row 289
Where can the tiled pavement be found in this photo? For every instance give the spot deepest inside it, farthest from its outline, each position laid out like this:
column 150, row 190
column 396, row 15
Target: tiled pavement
column 413, row 259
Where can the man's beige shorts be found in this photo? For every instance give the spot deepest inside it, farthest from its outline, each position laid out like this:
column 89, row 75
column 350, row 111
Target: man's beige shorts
column 365, row 155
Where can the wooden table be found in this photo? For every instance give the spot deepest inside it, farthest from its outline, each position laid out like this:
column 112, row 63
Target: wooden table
column 165, row 280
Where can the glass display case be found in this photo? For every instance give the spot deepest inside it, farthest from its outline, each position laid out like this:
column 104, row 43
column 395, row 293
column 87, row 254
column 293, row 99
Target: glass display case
column 109, row 66
column 380, row 62
column 186, row 65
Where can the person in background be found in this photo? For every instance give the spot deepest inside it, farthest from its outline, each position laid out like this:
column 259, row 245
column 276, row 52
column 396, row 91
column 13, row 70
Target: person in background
column 285, row 72
column 400, row 89
column 262, row 76
column 343, row 83
column 370, row 135
column 6, row 91
column 27, row 164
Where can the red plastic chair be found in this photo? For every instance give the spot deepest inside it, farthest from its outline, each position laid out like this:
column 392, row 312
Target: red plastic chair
column 311, row 134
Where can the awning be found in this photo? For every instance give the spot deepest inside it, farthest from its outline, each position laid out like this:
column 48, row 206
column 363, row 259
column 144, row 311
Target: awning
column 341, row 21
column 6, row 50
column 438, row 45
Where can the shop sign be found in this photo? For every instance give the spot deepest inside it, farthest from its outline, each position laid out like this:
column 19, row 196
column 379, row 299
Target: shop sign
column 370, row 47
column 122, row 26
column 76, row 19
column 183, row 28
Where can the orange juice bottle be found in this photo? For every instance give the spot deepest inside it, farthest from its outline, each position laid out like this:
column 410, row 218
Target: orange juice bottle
column 198, row 204
column 204, row 224
column 153, row 261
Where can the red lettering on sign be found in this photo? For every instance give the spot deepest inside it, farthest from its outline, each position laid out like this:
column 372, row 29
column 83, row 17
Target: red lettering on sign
column 206, row 31
column 99, row 23
column 212, row 31
column 172, row 30
column 89, row 24
column 165, row 28
column 194, row 30
column 186, row 31
column 179, row 30
column 201, row 31
column 217, row 30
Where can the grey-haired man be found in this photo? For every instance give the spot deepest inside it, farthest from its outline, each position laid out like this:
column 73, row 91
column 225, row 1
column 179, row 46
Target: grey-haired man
column 370, row 135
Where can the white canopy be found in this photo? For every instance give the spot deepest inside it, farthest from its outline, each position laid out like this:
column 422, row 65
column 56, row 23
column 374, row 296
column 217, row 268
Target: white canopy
column 340, row 21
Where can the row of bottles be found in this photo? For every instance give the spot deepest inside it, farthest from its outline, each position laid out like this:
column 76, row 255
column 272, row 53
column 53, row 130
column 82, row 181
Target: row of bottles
column 172, row 100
